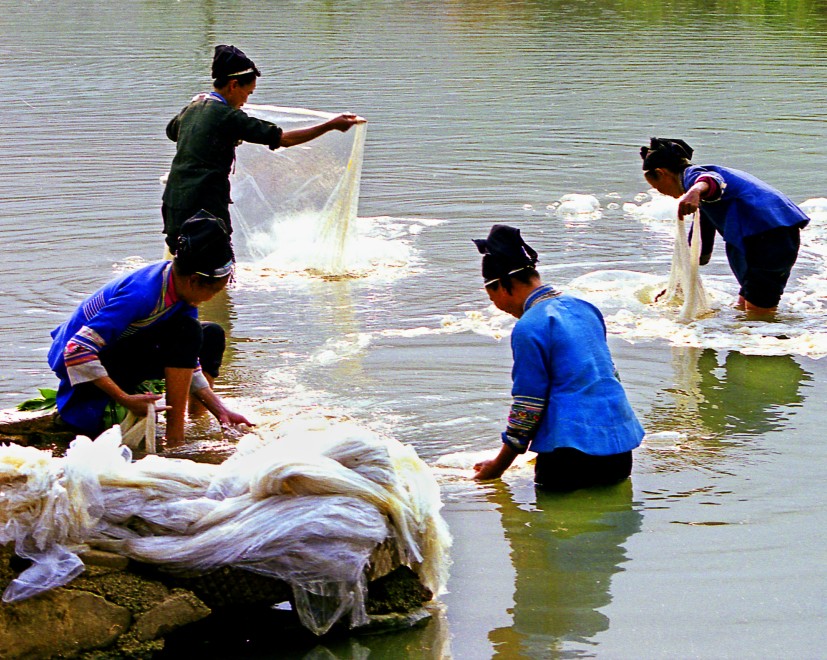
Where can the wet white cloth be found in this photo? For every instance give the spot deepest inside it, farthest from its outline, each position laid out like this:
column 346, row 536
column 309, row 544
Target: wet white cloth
column 685, row 287
column 307, row 502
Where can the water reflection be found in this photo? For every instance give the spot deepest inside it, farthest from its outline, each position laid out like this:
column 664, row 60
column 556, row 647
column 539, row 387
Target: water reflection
column 744, row 393
column 262, row 634
column 728, row 394
column 565, row 549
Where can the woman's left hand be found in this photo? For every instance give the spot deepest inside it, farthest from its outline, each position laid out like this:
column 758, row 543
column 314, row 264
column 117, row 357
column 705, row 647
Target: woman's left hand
column 234, row 419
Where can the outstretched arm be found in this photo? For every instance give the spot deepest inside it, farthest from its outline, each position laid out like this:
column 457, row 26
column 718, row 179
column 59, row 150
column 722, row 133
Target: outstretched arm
column 301, row 135
column 530, row 382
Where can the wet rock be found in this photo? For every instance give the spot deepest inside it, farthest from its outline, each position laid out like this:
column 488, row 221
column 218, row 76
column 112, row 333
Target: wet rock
column 62, row 621
column 180, row 609
column 400, row 591
column 104, row 559
column 104, row 613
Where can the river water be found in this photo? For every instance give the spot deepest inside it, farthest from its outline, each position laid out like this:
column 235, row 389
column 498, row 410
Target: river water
column 481, row 112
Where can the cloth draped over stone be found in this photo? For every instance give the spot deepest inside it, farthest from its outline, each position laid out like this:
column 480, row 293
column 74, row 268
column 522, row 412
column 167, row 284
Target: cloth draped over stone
column 313, row 503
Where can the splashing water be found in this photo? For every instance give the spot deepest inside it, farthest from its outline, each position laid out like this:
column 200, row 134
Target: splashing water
column 797, row 329
column 627, row 298
column 295, row 210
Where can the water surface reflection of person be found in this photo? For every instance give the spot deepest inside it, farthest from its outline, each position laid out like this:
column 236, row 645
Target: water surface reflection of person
column 744, row 394
column 728, row 393
column 565, row 548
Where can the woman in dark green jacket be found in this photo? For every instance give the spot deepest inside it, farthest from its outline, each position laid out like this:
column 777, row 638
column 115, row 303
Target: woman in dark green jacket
column 208, row 130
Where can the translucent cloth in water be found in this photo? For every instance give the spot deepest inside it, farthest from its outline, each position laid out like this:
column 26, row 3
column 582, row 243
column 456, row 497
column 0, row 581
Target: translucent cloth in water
column 311, row 506
column 317, row 182
column 685, row 287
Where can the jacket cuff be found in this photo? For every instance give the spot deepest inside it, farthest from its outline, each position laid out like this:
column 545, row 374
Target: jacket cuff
column 85, row 372
column 519, row 445
column 198, row 382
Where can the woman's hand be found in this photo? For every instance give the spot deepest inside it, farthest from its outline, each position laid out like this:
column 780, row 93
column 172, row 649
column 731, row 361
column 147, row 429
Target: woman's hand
column 344, row 121
column 137, row 403
column 494, row 468
column 689, row 202
column 490, row 469
column 233, row 419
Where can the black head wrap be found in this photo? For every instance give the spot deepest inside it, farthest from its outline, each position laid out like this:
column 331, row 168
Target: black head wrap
column 672, row 155
column 504, row 253
column 230, row 61
column 204, row 246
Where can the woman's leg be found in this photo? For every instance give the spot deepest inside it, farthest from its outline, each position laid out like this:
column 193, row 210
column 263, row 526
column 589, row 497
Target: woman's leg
column 169, row 350
column 769, row 257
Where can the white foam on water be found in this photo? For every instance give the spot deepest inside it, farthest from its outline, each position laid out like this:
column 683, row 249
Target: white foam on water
column 799, row 327
column 342, row 348
column 489, row 322
column 129, row 264
column 654, row 210
column 665, row 441
column 576, row 204
column 382, row 248
column 456, row 470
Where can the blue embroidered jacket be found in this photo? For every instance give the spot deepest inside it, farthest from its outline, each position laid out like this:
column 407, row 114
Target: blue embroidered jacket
column 119, row 309
column 743, row 207
column 565, row 387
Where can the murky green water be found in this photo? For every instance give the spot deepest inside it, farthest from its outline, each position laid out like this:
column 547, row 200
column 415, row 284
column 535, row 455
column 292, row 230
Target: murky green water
column 479, row 112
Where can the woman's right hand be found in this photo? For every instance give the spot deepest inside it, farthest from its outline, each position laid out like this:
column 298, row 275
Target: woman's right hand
column 689, row 202
column 137, row 403
column 691, row 199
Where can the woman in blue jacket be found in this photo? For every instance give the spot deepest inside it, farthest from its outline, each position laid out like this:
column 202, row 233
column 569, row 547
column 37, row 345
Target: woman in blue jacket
column 144, row 325
column 760, row 225
column 569, row 406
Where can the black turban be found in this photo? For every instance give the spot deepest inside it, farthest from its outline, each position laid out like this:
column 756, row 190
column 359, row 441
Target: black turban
column 666, row 153
column 504, row 252
column 230, row 61
column 204, row 246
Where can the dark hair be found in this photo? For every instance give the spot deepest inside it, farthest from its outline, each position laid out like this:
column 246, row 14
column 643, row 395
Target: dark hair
column 670, row 154
column 243, row 81
column 506, row 254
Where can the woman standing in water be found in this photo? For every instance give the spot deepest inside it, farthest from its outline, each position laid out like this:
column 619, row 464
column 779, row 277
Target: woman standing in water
column 207, row 132
column 569, row 405
column 761, row 226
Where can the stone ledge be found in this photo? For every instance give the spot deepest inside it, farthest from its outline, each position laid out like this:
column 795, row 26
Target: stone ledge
column 60, row 622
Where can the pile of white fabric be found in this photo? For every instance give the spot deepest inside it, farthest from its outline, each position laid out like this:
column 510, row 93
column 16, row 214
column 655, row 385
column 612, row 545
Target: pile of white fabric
column 309, row 502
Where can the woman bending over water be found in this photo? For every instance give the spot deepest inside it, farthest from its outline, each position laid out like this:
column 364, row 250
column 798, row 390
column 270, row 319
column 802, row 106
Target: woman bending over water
column 761, row 226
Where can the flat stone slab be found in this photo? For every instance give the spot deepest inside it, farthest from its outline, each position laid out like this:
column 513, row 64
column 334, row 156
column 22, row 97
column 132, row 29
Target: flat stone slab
column 32, row 427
